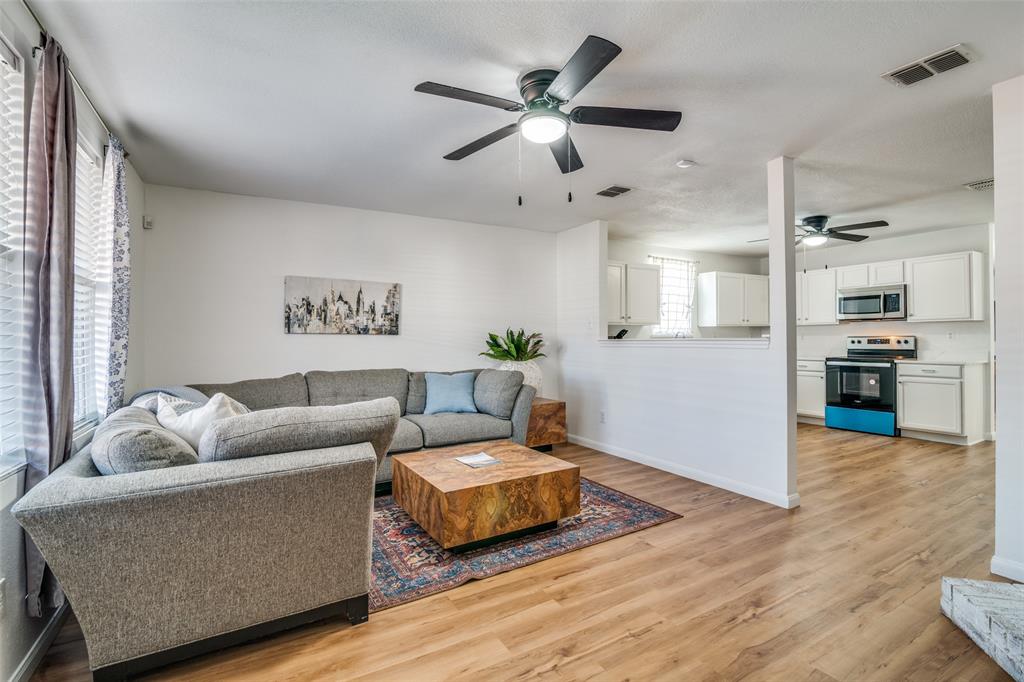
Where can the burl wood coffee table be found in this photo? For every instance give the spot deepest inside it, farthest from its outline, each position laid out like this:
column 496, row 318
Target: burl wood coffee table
column 463, row 508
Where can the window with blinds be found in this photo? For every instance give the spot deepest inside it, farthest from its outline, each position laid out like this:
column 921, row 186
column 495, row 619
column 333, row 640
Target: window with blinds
column 12, row 254
column 678, row 285
column 89, row 275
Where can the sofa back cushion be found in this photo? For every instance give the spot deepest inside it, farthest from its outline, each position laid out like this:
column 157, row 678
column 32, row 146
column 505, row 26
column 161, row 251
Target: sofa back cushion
column 291, row 429
column 418, row 389
column 263, row 394
column 353, row 386
column 495, row 392
column 131, row 439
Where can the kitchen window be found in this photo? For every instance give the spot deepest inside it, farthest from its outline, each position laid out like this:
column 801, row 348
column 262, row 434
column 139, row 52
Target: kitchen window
column 678, row 285
column 12, row 250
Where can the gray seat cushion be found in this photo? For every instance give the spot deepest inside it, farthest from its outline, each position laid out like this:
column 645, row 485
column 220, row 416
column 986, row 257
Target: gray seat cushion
column 291, row 429
column 131, row 439
column 263, row 394
column 448, row 428
column 407, row 437
column 352, row 386
column 418, row 389
column 495, row 391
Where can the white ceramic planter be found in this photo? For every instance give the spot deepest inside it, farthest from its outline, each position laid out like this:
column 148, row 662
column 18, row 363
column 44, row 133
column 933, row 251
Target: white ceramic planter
column 531, row 372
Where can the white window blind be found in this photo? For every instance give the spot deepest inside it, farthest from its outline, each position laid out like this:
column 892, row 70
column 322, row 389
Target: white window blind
column 89, row 274
column 678, row 284
column 12, row 253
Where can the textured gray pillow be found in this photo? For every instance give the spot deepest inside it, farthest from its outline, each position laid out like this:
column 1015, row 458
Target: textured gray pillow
column 495, row 392
column 290, row 429
column 131, row 439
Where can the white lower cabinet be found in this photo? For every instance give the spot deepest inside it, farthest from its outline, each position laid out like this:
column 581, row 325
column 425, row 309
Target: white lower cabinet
column 942, row 402
column 810, row 394
column 931, row 405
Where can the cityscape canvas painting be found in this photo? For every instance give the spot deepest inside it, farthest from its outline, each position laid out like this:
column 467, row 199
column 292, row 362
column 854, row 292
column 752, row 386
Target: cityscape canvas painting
column 317, row 305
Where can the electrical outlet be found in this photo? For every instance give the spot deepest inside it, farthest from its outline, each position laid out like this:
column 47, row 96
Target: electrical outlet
column 603, row 419
column 950, row 335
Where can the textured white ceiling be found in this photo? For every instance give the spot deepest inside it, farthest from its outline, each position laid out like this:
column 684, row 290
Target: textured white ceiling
column 314, row 101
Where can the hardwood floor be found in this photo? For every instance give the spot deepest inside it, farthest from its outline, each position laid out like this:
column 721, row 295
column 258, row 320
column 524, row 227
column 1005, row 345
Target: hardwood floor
column 844, row 588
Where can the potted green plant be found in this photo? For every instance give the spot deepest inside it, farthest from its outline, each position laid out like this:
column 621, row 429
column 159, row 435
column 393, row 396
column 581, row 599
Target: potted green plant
column 518, row 351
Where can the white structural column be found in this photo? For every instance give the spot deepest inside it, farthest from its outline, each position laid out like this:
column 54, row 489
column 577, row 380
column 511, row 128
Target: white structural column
column 782, row 294
column 1008, row 260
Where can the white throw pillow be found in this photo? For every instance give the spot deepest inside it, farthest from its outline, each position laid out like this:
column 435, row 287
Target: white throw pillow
column 189, row 420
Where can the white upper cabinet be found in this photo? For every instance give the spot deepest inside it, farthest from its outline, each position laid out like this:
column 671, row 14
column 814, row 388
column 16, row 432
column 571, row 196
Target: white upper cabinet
column 816, row 297
column 852, row 277
column 643, row 294
column 946, row 287
column 633, row 294
column 885, row 274
column 732, row 299
column 615, row 293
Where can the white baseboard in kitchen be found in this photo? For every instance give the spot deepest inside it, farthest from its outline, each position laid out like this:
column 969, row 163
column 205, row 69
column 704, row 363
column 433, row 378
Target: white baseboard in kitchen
column 732, row 485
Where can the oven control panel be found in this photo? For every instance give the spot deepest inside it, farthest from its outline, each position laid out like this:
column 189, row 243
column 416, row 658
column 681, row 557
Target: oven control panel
column 894, row 343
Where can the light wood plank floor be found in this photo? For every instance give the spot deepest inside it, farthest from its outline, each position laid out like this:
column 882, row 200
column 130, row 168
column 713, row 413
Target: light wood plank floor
column 844, row 588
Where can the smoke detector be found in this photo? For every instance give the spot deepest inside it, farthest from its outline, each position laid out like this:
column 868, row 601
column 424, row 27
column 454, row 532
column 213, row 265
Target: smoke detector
column 932, row 65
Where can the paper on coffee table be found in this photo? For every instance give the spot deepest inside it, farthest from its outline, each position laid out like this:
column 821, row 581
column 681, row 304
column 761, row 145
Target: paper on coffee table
column 480, row 459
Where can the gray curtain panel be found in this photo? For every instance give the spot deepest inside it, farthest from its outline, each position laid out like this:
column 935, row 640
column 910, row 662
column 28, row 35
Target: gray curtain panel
column 49, row 291
column 115, row 199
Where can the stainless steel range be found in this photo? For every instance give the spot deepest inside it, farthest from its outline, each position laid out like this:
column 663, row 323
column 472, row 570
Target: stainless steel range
column 860, row 389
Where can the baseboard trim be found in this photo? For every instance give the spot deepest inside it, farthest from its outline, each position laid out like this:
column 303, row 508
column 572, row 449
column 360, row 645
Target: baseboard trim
column 732, row 485
column 1008, row 568
column 28, row 665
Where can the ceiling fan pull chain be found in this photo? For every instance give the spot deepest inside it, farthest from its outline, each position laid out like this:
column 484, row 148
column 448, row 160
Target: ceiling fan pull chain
column 519, row 165
column 568, row 163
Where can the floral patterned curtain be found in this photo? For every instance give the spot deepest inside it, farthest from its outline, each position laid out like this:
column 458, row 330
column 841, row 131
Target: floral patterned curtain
column 115, row 203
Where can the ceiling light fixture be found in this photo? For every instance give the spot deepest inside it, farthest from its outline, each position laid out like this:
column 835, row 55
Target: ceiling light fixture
column 814, row 240
column 685, row 163
column 543, row 126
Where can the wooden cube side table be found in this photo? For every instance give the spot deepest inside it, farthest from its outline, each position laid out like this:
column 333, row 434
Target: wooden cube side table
column 547, row 424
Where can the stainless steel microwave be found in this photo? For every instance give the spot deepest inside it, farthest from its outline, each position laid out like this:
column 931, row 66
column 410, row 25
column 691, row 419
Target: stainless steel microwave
column 873, row 303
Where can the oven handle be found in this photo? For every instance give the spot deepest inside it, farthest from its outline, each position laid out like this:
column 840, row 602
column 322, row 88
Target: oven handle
column 833, row 363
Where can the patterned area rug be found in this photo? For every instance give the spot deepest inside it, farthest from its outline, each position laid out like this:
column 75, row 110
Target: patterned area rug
column 409, row 565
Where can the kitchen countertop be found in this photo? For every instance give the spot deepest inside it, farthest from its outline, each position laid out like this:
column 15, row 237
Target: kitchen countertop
column 923, row 361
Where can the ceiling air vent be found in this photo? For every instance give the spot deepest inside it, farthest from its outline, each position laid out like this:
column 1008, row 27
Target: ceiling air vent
column 940, row 62
column 981, row 185
column 613, row 191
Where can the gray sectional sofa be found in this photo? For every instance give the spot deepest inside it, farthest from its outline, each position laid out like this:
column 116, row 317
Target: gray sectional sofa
column 272, row 528
column 503, row 394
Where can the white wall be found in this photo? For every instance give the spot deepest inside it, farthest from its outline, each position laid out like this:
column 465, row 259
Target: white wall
column 712, row 410
column 213, row 271
column 1008, row 146
column 635, row 251
column 936, row 340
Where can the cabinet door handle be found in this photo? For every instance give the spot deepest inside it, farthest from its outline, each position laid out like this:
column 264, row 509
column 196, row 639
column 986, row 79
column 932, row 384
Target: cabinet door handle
column 929, row 371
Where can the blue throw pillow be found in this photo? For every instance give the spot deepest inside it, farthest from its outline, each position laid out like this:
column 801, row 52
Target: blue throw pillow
column 449, row 392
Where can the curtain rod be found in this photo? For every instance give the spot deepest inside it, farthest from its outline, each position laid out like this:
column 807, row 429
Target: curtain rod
column 74, row 79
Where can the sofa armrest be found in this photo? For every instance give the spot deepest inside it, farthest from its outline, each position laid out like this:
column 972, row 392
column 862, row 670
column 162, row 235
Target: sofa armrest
column 156, row 559
column 521, row 413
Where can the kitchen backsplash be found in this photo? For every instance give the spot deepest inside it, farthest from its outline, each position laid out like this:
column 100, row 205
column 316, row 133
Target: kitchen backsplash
column 935, row 340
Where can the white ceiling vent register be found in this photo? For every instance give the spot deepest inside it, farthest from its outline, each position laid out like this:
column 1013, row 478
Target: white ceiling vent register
column 932, row 65
column 981, row 185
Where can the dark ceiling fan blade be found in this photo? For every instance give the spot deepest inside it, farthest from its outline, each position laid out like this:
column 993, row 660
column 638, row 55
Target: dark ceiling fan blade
column 846, row 237
column 588, row 61
column 477, row 145
column 645, row 119
column 566, row 155
column 469, row 96
column 859, row 226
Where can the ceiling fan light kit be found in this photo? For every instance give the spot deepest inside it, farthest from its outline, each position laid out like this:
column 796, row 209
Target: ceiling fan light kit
column 814, row 240
column 543, row 126
column 544, row 91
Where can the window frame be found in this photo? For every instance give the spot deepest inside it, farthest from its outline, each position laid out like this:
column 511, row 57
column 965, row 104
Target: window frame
column 668, row 288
